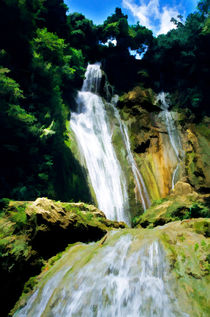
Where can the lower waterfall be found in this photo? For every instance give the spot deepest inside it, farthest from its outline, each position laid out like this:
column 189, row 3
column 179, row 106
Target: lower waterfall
column 117, row 279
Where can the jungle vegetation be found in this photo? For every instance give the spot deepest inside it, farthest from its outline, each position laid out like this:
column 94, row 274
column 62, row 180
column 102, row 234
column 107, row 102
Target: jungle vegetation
column 43, row 55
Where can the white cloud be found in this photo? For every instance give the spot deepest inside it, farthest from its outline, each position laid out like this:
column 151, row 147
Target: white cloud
column 151, row 15
column 110, row 41
column 165, row 20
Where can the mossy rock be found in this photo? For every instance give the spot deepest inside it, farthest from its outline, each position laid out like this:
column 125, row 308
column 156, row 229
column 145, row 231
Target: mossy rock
column 32, row 232
column 138, row 96
column 173, row 208
column 198, row 156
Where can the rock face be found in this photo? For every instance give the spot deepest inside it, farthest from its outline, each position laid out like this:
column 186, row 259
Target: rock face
column 62, row 223
column 183, row 203
column 182, row 188
column 151, row 145
column 61, row 214
column 197, row 159
column 31, row 232
column 150, row 142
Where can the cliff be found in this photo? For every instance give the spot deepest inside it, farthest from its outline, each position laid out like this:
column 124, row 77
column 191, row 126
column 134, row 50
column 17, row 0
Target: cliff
column 152, row 148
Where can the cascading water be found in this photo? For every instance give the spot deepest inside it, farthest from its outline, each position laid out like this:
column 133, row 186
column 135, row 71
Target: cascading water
column 125, row 274
column 116, row 280
column 172, row 133
column 142, row 190
column 91, row 128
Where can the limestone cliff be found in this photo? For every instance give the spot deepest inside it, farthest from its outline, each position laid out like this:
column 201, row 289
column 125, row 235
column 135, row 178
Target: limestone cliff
column 151, row 144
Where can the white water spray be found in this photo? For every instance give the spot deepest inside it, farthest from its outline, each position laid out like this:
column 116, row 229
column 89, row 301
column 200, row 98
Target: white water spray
column 118, row 281
column 92, row 130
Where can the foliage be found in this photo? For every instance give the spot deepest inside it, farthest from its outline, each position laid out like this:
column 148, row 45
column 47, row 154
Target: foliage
column 117, row 61
column 4, row 203
column 83, row 35
column 43, row 56
column 30, row 284
column 198, row 210
column 42, row 61
column 36, row 93
column 179, row 61
column 172, row 208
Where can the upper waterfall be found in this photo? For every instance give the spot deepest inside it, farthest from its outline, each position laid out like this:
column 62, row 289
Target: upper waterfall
column 93, row 133
column 93, row 77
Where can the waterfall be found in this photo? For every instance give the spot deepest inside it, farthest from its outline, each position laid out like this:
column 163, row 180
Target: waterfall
column 117, row 280
column 142, row 190
column 92, row 131
column 172, row 133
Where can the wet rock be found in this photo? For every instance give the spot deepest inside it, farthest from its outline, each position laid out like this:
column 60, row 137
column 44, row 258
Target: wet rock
column 182, row 188
column 183, row 203
column 59, row 224
column 32, row 232
column 197, row 156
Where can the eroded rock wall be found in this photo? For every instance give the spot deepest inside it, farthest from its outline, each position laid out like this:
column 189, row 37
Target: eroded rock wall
column 152, row 148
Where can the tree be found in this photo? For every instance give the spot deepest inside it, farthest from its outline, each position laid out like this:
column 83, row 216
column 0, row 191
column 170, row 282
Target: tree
column 115, row 27
column 179, row 61
column 83, row 35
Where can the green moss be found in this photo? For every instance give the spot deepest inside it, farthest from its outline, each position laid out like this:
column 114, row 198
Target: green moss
column 19, row 217
column 30, row 284
column 178, row 211
column 181, row 237
column 22, row 246
column 4, row 203
column 138, row 96
column 14, row 231
column 188, row 254
column 199, row 210
column 135, row 221
column 173, row 208
column 203, row 129
column 158, row 201
column 202, row 227
column 198, row 157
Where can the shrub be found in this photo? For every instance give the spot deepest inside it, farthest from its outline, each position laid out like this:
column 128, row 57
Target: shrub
column 4, row 203
column 198, row 210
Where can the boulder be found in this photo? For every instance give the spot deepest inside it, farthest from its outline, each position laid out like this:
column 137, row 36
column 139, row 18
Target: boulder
column 182, row 188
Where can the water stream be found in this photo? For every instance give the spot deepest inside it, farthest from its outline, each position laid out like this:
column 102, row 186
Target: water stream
column 116, row 280
column 172, row 133
column 92, row 130
column 126, row 274
column 91, row 127
column 141, row 188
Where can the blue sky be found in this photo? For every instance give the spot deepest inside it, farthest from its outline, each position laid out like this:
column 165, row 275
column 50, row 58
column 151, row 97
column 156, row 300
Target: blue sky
column 154, row 14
